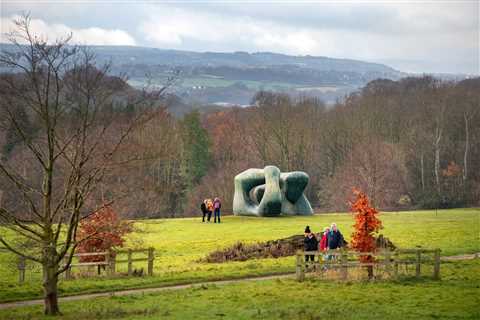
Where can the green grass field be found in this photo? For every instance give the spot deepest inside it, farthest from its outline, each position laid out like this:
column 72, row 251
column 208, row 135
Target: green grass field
column 179, row 243
column 456, row 296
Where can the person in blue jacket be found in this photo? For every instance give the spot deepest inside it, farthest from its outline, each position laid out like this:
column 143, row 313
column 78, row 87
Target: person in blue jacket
column 335, row 238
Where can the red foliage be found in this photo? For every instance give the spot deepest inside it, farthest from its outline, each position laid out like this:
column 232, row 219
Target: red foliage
column 366, row 224
column 102, row 230
column 453, row 170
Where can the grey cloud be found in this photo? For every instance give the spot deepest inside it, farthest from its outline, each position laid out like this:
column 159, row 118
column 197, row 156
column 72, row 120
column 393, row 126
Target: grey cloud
column 431, row 35
column 377, row 17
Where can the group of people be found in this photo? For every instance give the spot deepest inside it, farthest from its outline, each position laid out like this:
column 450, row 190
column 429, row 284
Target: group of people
column 208, row 206
column 330, row 239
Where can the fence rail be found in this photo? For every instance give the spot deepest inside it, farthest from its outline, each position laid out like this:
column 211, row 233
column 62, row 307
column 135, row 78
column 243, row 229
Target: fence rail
column 109, row 262
column 386, row 259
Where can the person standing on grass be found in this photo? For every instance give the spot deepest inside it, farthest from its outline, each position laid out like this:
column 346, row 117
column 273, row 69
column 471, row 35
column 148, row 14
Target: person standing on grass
column 323, row 246
column 203, row 207
column 310, row 244
column 335, row 238
column 216, row 207
column 209, row 209
column 324, row 241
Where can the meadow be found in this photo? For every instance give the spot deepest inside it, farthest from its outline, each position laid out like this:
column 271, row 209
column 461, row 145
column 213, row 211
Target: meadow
column 454, row 297
column 180, row 244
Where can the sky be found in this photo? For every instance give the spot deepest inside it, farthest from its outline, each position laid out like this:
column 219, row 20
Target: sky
column 412, row 36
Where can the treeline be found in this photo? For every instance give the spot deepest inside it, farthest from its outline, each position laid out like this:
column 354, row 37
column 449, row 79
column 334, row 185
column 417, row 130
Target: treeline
column 412, row 143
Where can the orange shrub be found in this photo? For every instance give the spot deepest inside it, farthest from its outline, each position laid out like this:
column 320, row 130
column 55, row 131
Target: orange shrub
column 366, row 224
column 103, row 230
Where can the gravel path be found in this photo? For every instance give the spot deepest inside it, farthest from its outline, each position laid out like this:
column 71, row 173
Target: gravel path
column 186, row 286
column 143, row 290
column 461, row 257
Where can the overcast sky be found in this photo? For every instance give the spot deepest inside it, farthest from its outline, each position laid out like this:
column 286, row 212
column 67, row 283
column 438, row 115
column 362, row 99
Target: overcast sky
column 413, row 36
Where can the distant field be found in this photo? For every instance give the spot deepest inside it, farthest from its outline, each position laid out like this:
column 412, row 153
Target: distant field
column 219, row 82
column 179, row 243
column 323, row 89
column 251, row 84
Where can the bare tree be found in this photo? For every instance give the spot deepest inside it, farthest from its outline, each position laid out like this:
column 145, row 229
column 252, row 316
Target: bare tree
column 470, row 111
column 440, row 95
column 378, row 170
column 70, row 101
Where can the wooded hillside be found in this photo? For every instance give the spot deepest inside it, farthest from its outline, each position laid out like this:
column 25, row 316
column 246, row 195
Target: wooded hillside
column 408, row 143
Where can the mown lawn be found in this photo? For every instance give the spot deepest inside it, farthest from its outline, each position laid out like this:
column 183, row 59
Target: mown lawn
column 456, row 296
column 180, row 243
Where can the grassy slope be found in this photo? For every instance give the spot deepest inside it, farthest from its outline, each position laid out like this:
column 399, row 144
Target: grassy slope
column 454, row 297
column 179, row 243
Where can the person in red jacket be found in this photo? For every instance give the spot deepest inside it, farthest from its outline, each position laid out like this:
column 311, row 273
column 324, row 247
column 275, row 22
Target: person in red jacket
column 323, row 246
column 324, row 241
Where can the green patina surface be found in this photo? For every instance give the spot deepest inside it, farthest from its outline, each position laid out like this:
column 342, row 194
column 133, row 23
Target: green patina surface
column 268, row 193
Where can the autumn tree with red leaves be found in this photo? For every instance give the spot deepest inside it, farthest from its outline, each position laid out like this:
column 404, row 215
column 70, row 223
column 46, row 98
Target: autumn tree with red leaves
column 366, row 224
column 103, row 230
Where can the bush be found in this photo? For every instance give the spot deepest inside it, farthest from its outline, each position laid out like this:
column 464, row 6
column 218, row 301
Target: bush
column 103, row 230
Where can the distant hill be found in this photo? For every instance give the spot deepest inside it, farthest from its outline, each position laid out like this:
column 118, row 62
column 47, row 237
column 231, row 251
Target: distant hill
column 233, row 78
column 123, row 55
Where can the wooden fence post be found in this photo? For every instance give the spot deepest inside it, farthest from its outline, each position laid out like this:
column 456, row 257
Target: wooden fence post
column 108, row 254
column 418, row 263
column 129, row 262
column 21, row 270
column 344, row 260
column 395, row 264
column 150, row 261
column 111, row 266
column 436, row 266
column 299, row 269
column 387, row 261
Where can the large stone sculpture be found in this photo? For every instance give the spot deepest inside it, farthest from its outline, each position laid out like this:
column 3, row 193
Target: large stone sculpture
column 267, row 192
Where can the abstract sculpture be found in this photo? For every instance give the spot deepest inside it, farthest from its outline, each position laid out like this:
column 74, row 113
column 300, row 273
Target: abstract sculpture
column 267, row 192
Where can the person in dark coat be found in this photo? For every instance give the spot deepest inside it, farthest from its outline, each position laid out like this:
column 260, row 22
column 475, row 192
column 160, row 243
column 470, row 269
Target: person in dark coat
column 310, row 244
column 335, row 238
column 203, row 207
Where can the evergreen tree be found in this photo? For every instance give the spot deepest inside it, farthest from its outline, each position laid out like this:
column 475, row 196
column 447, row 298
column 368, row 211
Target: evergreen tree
column 196, row 148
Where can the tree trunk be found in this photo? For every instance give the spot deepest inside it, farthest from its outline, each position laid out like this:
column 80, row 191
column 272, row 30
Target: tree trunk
column 50, row 292
column 422, row 170
column 438, row 137
column 465, row 155
column 437, row 169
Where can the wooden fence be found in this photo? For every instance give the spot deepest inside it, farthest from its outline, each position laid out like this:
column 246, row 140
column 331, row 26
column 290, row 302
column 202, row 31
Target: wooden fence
column 150, row 258
column 389, row 261
column 109, row 262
